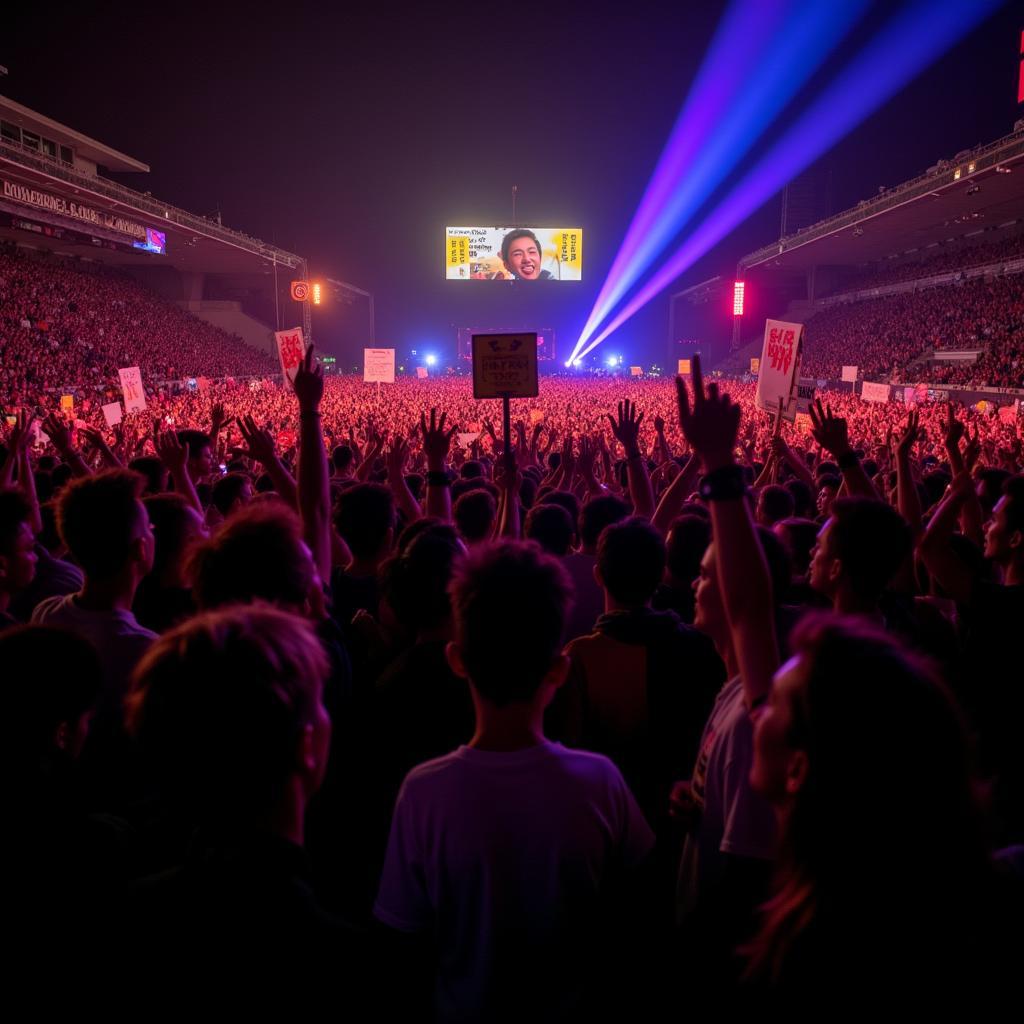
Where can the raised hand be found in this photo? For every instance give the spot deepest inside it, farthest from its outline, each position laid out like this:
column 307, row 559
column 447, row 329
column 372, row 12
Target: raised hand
column 259, row 441
column 397, row 456
column 828, row 430
column 911, row 433
column 436, row 441
column 309, row 382
column 954, row 429
column 710, row 423
column 58, row 431
column 973, row 449
column 217, row 420
column 173, row 454
column 627, row 429
column 659, row 425
column 21, row 432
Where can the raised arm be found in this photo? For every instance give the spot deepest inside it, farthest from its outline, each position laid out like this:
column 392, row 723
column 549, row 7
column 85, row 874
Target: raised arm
column 907, row 498
column 314, row 489
column 261, row 448
column 951, row 573
column 832, row 434
column 627, row 432
column 60, row 435
column 675, row 494
column 436, row 443
column 174, row 455
column 710, row 424
column 396, row 458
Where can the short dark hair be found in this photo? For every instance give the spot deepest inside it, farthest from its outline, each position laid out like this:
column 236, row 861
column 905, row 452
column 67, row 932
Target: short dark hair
column 474, row 514
column 152, row 470
column 96, row 516
column 342, row 457
column 195, row 441
column 550, row 526
column 631, row 560
column 776, row 502
column 510, row 602
column 169, row 515
column 256, row 555
column 14, row 510
column 872, row 540
column 219, row 706
column 506, row 242
column 415, row 583
column 1013, row 491
column 363, row 515
column 596, row 514
column 227, row 490
column 54, row 677
column 688, row 539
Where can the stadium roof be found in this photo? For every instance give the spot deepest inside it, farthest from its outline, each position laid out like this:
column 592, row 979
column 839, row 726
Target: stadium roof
column 194, row 243
column 978, row 189
column 97, row 152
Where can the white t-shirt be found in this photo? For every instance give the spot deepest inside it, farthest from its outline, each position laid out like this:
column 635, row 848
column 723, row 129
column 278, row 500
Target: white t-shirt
column 119, row 640
column 504, row 858
column 733, row 818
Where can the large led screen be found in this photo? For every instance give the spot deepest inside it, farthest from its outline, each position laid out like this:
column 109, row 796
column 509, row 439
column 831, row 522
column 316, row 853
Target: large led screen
column 513, row 254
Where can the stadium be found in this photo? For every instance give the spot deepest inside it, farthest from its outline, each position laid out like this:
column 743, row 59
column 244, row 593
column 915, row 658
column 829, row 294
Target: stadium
column 603, row 608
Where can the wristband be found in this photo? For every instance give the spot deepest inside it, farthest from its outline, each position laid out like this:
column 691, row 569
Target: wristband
column 723, row 484
column 438, row 478
column 848, row 460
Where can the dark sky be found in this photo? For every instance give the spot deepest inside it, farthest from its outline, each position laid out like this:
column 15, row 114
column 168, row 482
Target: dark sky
column 352, row 136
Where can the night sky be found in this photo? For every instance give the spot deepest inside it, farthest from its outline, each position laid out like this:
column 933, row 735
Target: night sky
column 353, row 136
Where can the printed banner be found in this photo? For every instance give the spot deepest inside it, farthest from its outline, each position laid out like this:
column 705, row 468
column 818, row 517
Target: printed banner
column 379, row 365
column 112, row 413
column 849, row 374
column 513, row 254
column 131, row 388
column 67, row 402
column 684, row 368
column 755, row 365
column 779, row 367
column 291, row 347
column 62, row 207
column 872, row 392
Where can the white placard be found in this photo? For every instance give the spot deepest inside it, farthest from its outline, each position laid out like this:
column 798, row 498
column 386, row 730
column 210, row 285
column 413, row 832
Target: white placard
column 131, row 388
column 779, row 367
column 849, row 374
column 872, row 392
column 112, row 413
column 291, row 347
column 379, row 365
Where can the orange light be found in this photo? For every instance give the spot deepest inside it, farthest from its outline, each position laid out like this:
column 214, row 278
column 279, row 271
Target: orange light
column 316, row 293
column 738, row 290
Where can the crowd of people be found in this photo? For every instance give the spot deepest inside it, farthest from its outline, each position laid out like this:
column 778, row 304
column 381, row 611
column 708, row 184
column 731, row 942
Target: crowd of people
column 937, row 260
column 72, row 324
column 882, row 336
column 662, row 700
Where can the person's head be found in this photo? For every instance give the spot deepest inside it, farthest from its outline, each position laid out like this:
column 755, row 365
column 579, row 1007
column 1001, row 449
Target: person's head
column 231, row 493
column 1004, row 535
column 799, row 537
column 989, row 484
column 630, row 562
column 54, row 681
column 104, row 524
column 860, row 548
column 595, row 515
column 567, row 500
column 415, row 582
column 474, row 514
column 803, row 497
column 828, row 488
column 342, row 458
column 688, row 539
column 364, row 515
column 773, row 503
column 200, row 452
column 551, row 527
column 257, row 555
column 152, row 470
column 851, row 713
column 521, row 254
column 509, row 602
column 176, row 527
column 17, row 543
column 227, row 711
column 471, row 468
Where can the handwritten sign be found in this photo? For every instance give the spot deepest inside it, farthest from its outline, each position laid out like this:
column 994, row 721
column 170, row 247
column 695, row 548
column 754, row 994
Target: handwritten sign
column 291, row 347
column 779, row 367
column 112, row 413
column 872, row 392
column 421, row 372
column 505, row 364
column 67, row 402
column 379, row 365
column 849, row 374
column 131, row 388
column 684, row 368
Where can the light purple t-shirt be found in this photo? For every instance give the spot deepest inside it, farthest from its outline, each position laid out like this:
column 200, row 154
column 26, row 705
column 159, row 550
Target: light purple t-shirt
column 503, row 857
column 733, row 818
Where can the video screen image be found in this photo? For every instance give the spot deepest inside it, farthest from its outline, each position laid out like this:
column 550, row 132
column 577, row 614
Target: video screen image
column 513, row 254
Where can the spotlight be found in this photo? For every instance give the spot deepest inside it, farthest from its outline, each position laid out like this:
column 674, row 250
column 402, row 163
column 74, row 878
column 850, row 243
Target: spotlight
column 577, row 363
column 613, row 360
column 431, row 359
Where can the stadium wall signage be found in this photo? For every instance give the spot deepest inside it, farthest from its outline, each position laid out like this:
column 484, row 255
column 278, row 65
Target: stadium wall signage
column 65, row 208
